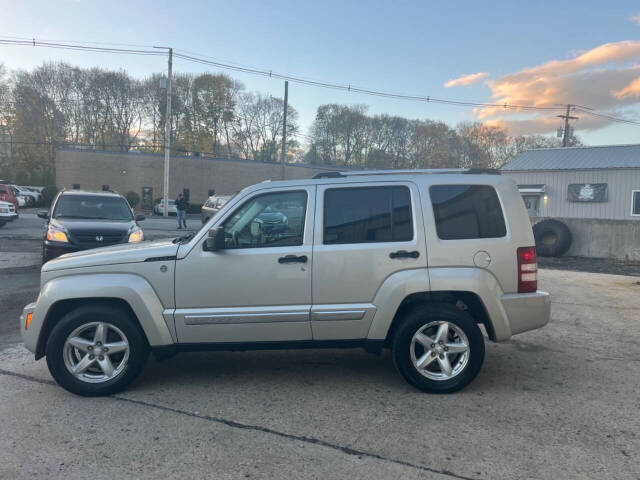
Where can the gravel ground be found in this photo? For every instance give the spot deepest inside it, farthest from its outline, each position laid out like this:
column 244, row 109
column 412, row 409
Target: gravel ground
column 592, row 265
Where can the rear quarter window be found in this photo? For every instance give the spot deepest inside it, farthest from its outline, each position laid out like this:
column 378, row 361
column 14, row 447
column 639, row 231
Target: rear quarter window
column 467, row 212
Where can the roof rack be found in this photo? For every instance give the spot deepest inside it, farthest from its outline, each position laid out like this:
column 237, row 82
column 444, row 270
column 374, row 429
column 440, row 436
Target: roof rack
column 416, row 171
column 328, row 175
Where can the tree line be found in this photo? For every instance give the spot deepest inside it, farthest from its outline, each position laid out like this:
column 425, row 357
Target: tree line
column 57, row 104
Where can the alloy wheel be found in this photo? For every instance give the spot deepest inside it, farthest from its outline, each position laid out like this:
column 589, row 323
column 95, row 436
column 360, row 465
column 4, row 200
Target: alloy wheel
column 440, row 350
column 96, row 352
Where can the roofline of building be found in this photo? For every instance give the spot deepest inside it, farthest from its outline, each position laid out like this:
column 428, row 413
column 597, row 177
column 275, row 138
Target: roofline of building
column 205, row 157
column 567, row 169
column 581, row 147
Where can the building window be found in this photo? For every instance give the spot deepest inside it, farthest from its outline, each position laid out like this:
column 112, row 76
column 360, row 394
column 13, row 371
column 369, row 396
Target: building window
column 367, row 215
column 635, row 203
column 105, row 188
column 467, row 211
column 76, row 186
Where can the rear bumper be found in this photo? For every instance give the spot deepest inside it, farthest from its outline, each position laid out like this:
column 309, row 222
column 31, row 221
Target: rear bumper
column 527, row 311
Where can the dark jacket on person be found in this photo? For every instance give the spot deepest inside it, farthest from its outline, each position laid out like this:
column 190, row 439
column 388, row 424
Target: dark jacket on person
column 182, row 204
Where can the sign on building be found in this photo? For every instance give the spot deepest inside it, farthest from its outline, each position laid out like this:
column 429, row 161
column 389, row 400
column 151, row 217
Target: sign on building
column 587, row 192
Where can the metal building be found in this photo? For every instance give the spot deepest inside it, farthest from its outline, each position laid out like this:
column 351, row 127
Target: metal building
column 579, row 182
column 592, row 191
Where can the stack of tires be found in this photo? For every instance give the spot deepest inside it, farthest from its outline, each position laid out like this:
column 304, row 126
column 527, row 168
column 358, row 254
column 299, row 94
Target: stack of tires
column 553, row 238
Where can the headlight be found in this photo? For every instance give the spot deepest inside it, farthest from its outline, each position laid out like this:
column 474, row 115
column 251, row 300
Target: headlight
column 4, row 210
column 57, row 235
column 136, row 236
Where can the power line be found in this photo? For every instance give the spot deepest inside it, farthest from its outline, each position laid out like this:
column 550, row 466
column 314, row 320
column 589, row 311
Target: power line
column 271, row 74
column 593, row 113
column 77, row 47
column 226, row 65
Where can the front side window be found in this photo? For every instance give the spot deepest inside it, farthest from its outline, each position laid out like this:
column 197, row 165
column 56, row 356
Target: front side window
column 635, row 202
column 467, row 211
column 269, row 220
column 93, row 207
column 367, row 215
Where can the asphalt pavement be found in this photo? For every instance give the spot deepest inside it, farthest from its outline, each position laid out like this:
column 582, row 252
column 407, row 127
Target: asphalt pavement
column 561, row 402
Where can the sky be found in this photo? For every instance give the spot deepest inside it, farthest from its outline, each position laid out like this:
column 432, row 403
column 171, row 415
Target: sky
column 520, row 52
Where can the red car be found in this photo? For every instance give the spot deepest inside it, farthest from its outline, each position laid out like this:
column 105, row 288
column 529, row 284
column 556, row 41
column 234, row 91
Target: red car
column 7, row 195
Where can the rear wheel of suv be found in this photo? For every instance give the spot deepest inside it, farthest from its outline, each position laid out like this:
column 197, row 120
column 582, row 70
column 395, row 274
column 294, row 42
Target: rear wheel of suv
column 96, row 350
column 438, row 348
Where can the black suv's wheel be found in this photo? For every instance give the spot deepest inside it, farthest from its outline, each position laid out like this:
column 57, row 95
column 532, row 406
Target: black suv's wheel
column 438, row 348
column 96, row 350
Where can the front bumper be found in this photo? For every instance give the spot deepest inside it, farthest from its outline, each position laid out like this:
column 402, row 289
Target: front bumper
column 30, row 335
column 527, row 311
column 55, row 249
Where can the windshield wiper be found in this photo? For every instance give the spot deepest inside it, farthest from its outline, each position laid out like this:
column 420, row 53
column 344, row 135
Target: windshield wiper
column 184, row 238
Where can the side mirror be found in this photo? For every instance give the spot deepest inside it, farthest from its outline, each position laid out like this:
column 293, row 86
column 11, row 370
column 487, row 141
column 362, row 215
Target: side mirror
column 43, row 214
column 139, row 218
column 215, row 240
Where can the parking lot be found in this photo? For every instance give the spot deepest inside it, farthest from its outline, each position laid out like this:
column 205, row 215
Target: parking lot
column 560, row 402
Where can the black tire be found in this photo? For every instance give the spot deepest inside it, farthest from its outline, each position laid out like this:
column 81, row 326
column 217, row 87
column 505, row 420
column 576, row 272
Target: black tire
column 2, row 224
column 417, row 318
column 553, row 238
column 118, row 317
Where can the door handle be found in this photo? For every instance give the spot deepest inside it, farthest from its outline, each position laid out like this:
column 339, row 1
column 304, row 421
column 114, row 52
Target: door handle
column 404, row 254
column 293, row 259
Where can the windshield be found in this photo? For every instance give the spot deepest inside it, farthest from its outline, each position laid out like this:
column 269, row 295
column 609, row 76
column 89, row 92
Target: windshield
column 93, row 207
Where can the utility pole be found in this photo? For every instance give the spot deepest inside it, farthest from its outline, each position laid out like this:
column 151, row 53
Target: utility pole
column 167, row 137
column 567, row 117
column 284, row 127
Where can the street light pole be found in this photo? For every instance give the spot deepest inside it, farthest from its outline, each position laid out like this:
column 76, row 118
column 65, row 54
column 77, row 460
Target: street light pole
column 167, row 138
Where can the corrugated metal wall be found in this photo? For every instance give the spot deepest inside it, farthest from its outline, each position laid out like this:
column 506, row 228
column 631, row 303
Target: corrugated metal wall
column 620, row 184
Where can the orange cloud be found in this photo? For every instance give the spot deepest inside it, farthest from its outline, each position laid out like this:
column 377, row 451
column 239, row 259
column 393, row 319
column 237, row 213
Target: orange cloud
column 465, row 80
column 631, row 90
column 604, row 78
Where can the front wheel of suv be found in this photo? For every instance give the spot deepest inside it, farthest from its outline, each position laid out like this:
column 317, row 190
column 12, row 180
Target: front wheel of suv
column 438, row 348
column 96, row 350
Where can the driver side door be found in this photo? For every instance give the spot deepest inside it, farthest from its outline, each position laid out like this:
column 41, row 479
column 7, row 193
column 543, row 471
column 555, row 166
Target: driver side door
column 258, row 288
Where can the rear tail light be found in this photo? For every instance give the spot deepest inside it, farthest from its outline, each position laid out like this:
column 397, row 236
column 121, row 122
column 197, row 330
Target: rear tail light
column 527, row 270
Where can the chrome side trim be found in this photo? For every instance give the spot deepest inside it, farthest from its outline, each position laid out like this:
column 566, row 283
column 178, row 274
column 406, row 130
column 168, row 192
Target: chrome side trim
column 320, row 313
column 220, row 316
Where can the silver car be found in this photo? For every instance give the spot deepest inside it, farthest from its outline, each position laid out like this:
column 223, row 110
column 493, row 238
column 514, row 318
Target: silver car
column 413, row 261
column 212, row 206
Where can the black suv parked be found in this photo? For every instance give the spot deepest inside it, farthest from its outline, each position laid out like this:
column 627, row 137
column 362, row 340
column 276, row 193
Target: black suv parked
column 80, row 220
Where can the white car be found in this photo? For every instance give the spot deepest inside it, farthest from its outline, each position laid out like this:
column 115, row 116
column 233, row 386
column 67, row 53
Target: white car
column 159, row 208
column 7, row 212
column 26, row 196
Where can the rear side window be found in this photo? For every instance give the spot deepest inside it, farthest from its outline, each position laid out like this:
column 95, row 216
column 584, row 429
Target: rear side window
column 367, row 215
column 467, row 211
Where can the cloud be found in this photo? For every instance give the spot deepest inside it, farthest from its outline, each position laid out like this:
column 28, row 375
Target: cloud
column 604, row 78
column 465, row 80
column 632, row 90
column 636, row 18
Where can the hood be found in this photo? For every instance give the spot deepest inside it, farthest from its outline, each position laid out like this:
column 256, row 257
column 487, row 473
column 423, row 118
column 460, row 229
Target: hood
column 121, row 253
column 105, row 226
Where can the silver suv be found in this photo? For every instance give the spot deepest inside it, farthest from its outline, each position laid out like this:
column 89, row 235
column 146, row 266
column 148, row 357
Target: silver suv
column 416, row 261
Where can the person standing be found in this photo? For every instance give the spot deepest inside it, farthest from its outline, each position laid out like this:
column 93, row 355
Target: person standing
column 181, row 206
